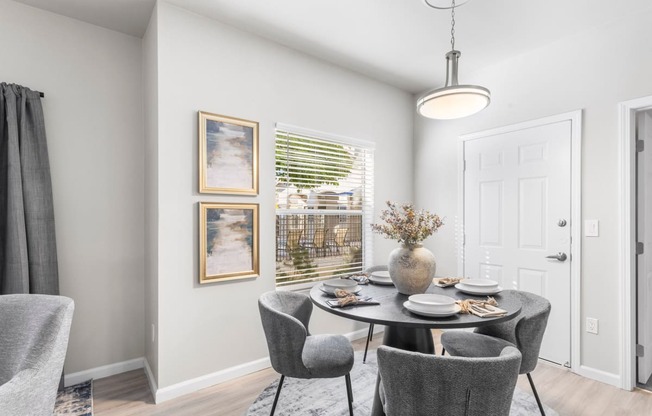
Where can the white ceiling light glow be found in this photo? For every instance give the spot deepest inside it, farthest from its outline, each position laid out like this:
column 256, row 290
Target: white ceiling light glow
column 452, row 100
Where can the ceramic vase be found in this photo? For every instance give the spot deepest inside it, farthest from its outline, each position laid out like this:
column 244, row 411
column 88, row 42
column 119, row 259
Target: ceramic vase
column 411, row 268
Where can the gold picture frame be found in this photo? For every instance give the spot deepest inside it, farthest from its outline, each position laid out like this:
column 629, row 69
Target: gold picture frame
column 228, row 155
column 228, row 241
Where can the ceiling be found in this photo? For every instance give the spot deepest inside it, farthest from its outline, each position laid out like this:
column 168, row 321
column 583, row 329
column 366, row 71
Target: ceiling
column 399, row 42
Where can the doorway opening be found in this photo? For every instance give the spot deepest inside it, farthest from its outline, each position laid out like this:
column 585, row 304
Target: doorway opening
column 631, row 113
column 643, row 206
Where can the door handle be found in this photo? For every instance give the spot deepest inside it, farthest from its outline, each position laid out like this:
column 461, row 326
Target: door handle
column 559, row 256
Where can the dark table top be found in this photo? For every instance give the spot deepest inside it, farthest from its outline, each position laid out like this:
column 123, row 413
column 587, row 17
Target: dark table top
column 391, row 311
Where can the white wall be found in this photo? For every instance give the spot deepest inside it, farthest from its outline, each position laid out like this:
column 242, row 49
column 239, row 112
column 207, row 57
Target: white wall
column 593, row 71
column 93, row 116
column 206, row 65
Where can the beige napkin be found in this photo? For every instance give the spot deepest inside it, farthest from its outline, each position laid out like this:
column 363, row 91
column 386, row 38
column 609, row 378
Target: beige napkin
column 482, row 308
column 345, row 298
column 362, row 278
column 446, row 281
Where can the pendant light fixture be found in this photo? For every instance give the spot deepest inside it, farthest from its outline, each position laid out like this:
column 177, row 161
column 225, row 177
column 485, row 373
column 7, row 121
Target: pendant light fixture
column 452, row 100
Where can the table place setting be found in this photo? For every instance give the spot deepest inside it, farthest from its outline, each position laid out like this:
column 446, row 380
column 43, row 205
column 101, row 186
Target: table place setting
column 381, row 277
column 469, row 286
column 440, row 306
column 344, row 291
column 478, row 287
column 436, row 306
column 446, row 281
column 361, row 278
column 330, row 286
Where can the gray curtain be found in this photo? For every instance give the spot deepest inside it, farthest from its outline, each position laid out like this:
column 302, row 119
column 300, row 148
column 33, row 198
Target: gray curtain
column 28, row 252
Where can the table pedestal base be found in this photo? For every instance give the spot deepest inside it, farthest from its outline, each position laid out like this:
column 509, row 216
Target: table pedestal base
column 410, row 339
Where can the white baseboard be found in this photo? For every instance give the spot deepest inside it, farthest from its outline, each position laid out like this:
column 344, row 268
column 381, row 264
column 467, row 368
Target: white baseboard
column 599, row 375
column 188, row 386
column 150, row 378
column 362, row 333
column 103, row 371
column 195, row 384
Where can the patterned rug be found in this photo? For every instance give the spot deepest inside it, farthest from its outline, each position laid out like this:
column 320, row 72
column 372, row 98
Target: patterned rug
column 327, row 397
column 75, row 400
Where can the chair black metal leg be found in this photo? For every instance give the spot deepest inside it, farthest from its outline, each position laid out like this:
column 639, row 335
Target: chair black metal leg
column 278, row 393
column 443, row 350
column 536, row 395
column 366, row 347
column 349, row 393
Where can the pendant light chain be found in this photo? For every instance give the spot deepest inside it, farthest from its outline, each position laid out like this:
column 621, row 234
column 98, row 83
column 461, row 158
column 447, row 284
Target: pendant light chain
column 453, row 26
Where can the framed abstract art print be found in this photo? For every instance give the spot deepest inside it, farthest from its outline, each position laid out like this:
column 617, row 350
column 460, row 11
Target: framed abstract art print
column 228, row 241
column 228, row 155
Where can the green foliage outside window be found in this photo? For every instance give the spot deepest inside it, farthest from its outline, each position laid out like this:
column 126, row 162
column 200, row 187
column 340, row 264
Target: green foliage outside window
column 327, row 164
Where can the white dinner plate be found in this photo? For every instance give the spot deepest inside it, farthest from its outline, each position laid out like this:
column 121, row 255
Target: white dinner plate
column 381, row 274
column 478, row 291
column 345, row 284
column 354, row 290
column 480, row 283
column 381, row 280
column 410, row 307
column 432, row 299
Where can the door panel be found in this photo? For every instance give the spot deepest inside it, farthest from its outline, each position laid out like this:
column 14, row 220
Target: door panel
column 517, row 186
column 532, row 196
column 491, row 197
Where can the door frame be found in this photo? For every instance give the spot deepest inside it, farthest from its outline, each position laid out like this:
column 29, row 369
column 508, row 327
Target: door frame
column 627, row 257
column 575, row 117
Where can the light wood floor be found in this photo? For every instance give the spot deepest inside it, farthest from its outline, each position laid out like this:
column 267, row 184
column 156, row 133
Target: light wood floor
column 128, row 394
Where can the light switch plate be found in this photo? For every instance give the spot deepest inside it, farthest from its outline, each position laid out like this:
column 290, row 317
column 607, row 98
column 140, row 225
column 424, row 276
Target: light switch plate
column 591, row 228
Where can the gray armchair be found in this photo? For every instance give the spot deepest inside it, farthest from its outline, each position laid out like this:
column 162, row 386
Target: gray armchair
column 370, row 335
column 416, row 384
column 525, row 332
column 293, row 351
column 34, row 333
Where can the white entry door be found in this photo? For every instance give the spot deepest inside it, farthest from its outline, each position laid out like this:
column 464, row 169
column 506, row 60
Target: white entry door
column 517, row 213
column 644, row 235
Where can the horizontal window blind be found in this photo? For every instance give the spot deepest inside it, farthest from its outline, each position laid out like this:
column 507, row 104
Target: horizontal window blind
column 324, row 205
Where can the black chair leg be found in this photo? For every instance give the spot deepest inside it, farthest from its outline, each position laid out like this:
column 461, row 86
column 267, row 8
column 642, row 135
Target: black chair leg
column 278, row 393
column 349, row 393
column 443, row 350
column 366, row 347
column 536, row 395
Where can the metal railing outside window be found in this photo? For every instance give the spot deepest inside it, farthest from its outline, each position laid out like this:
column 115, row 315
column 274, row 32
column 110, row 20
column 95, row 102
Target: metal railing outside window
column 324, row 204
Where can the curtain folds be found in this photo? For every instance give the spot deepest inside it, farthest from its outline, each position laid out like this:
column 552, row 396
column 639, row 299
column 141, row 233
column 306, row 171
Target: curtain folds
column 28, row 252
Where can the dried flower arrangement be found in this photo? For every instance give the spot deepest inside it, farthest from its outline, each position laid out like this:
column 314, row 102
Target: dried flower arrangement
column 406, row 225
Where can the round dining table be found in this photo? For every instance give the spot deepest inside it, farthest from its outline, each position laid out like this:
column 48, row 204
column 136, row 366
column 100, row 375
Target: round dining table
column 406, row 330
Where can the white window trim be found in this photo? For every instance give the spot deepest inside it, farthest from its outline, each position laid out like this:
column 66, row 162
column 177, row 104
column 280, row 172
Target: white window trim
column 344, row 140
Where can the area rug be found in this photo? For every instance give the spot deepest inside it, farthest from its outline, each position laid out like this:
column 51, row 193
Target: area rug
column 327, row 397
column 75, row 400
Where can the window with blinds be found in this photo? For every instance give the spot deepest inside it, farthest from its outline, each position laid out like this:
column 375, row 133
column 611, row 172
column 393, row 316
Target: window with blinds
column 324, row 205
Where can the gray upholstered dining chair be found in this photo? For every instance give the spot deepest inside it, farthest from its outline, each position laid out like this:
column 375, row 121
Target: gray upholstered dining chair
column 524, row 332
column 293, row 351
column 370, row 335
column 416, row 384
column 34, row 332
